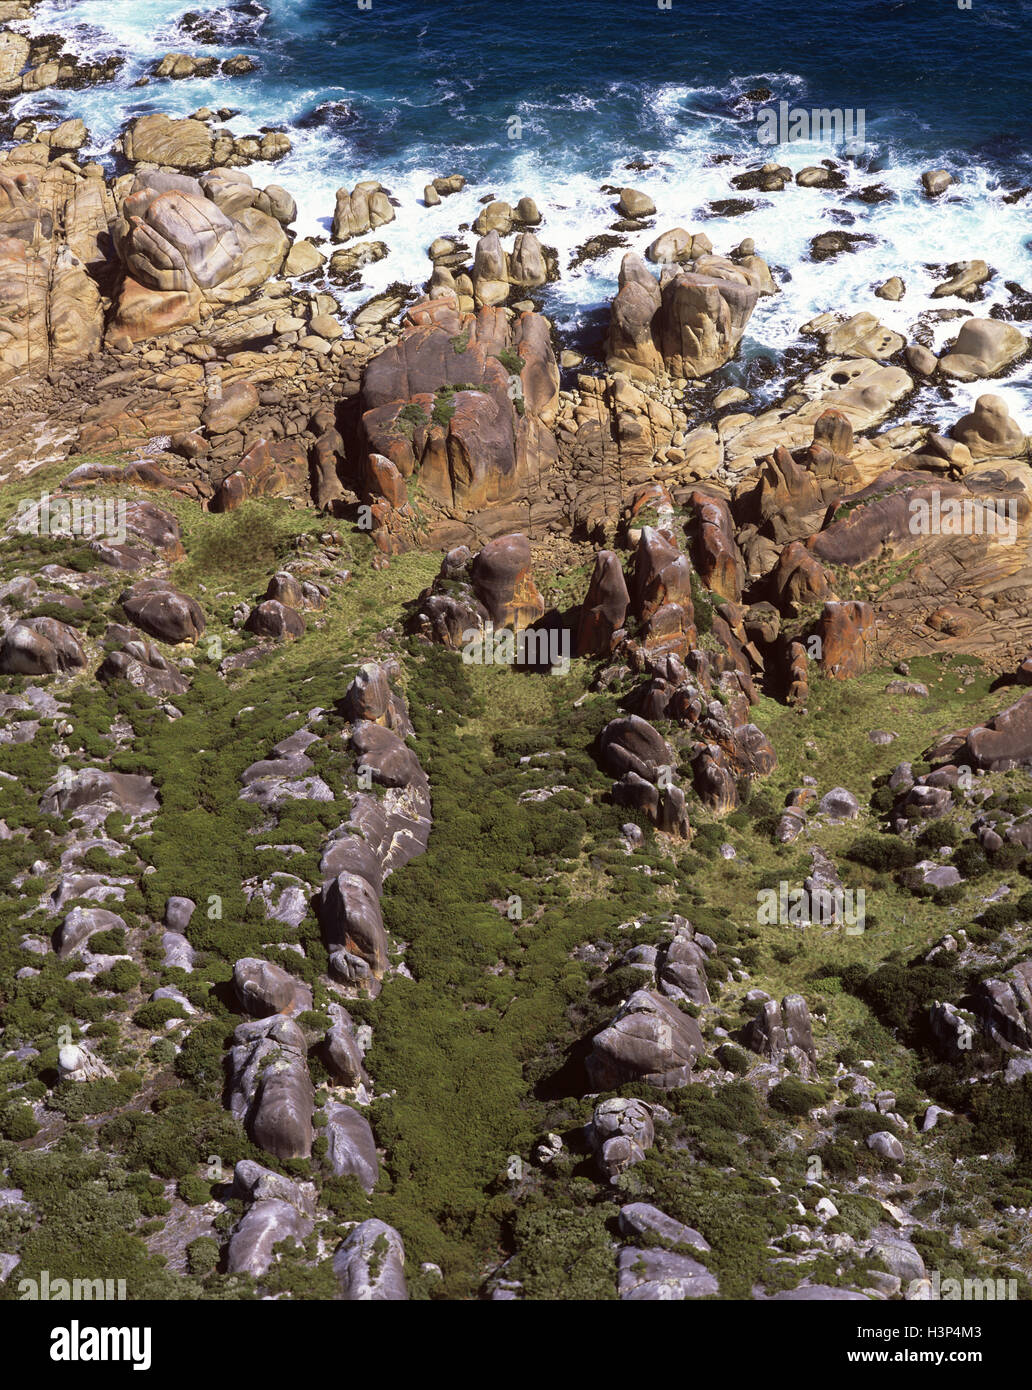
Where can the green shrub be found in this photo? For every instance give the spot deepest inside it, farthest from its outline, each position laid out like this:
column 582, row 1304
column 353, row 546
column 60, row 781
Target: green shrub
column 17, row 1122
column 123, row 976
column 565, row 1255
column 193, row 1190
column 156, row 1013
column 795, row 1097
column 202, row 1256
column 882, row 852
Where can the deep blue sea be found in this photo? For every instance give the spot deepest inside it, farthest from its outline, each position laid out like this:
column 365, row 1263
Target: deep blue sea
column 554, row 99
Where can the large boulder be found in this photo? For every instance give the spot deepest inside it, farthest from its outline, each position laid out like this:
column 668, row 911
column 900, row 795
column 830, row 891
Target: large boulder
column 1005, row 1009
column 620, row 1133
column 160, row 139
column 988, row 431
column 650, row 1040
column 660, row 1276
column 352, row 922
column 163, row 612
column 40, row 647
column 270, row 1088
column 464, row 404
column 351, row 1150
column 846, row 632
column 784, row 1030
column 1002, row 743
column 365, row 208
column 689, row 326
column 95, row 792
column 503, row 583
column 631, row 744
column 278, row 1210
column 983, row 348
column 180, row 250
column 370, row 1264
column 605, row 606
column 264, row 988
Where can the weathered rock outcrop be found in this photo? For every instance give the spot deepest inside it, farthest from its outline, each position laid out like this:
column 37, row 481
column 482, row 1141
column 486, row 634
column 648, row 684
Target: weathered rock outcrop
column 270, row 1088
column 650, row 1040
column 784, row 1030
column 278, row 1210
column 370, row 1265
column 462, row 406
column 687, row 325
column 186, row 246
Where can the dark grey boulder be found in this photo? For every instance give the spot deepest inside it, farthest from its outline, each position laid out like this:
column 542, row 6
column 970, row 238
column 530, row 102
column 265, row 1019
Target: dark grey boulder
column 264, row 988
column 649, row 1040
column 270, row 1088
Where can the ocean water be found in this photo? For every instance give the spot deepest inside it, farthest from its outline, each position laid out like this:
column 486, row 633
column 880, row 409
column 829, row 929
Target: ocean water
column 556, row 99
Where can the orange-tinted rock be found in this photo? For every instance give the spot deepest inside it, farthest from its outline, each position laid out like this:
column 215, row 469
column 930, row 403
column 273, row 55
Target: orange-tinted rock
column 266, row 470
column 715, row 551
column 834, row 430
column 669, row 630
column 846, row 632
column 661, row 575
column 604, row 609
column 384, row 480
column 799, row 579
column 798, row 675
column 144, row 312
column 327, row 452
column 788, row 501
column 503, row 583
column 476, row 446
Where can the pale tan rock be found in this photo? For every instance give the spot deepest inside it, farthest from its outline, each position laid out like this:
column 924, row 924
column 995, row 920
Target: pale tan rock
column 159, row 139
column 983, row 347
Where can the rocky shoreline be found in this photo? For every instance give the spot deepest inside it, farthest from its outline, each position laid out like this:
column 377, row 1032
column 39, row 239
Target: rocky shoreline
column 710, row 553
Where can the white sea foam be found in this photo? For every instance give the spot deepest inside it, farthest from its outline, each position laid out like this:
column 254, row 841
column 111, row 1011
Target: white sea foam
column 688, row 127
